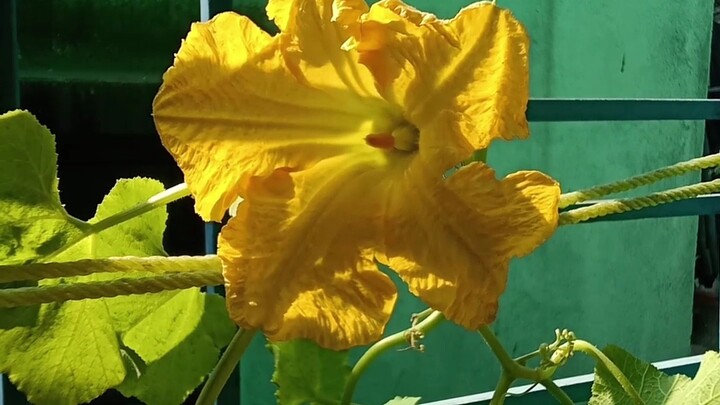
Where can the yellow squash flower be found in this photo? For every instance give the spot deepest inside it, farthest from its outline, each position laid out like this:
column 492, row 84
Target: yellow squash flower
column 338, row 134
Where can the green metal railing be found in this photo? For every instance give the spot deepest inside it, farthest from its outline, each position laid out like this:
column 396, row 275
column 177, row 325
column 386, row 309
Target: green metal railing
column 620, row 109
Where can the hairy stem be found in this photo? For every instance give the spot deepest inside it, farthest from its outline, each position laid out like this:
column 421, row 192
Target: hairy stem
column 226, row 365
column 595, row 353
column 397, row 339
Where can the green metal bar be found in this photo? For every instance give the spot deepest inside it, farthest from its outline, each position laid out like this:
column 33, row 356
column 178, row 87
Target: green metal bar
column 645, row 109
column 9, row 86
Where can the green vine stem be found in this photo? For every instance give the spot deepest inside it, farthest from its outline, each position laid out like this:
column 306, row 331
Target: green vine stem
column 501, row 389
column 158, row 200
column 600, row 358
column 522, row 360
column 561, row 396
column 511, row 366
column 220, row 374
column 514, row 369
column 423, row 327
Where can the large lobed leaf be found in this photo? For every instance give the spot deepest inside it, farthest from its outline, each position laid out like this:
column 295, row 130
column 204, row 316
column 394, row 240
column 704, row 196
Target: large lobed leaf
column 156, row 347
column 654, row 386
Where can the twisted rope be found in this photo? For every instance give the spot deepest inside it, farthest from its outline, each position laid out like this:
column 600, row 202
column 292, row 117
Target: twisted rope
column 154, row 264
column 654, row 176
column 27, row 296
column 629, row 204
column 191, row 271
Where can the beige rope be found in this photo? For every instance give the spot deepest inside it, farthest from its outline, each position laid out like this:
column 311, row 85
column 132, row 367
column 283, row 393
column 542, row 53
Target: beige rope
column 654, row 176
column 26, row 296
column 154, row 264
column 630, row 204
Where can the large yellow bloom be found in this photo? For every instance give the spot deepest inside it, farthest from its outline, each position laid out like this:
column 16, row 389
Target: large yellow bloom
column 337, row 133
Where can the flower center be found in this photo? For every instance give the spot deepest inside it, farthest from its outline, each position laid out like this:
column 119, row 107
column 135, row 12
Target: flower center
column 404, row 138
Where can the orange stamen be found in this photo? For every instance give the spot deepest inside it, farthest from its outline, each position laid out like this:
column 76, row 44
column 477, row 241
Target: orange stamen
column 381, row 141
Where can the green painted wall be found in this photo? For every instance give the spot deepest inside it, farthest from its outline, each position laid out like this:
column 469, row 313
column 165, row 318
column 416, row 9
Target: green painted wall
column 629, row 283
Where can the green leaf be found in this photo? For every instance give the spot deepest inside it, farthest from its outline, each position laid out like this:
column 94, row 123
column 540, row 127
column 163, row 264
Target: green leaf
column 654, row 386
column 403, row 401
column 157, row 347
column 307, row 373
column 33, row 222
column 70, row 352
column 140, row 236
column 174, row 374
column 705, row 387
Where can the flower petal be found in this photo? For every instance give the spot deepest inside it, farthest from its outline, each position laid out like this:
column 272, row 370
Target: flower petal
column 453, row 246
column 312, row 41
column 451, row 240
column 297, row 257
column 475, row 64
column 231, row 108
column 348, row 12
column 281, row 12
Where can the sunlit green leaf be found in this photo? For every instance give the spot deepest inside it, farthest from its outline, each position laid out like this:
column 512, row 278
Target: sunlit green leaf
column 33, row 222
column 159, row 376
column 158, row 346
column 654, row 386
column 306, row 373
